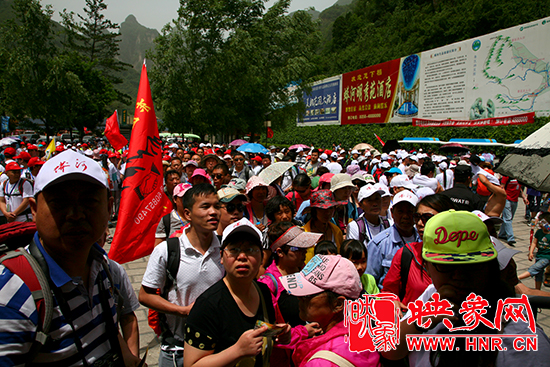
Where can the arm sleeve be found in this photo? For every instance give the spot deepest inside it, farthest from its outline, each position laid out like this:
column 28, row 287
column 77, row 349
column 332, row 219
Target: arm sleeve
column 155, row 274
column 130, row 302
column 201, row 325
column 27, row 190
column 352, row 231
column 161, row 230
column 392, row 281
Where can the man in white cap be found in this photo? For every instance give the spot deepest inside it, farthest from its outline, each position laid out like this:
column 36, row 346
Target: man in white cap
column 334, row 166
column 383, row 247
column 71, row 208
column 369, row 224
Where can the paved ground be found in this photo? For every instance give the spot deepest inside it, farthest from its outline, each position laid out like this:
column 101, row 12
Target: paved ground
column 136, row 269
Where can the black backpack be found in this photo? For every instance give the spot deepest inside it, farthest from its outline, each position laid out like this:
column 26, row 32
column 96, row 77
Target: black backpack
column 172, row 267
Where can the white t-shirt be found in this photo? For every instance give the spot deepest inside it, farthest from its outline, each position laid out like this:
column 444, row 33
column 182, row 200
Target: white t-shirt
column 14, row 198
column 425, row 181
column 196, row 273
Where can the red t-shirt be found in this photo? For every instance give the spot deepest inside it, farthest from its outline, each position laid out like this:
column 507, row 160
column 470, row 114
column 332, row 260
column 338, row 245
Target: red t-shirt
column 417, row 281
column 512, row 188
column 295, row 198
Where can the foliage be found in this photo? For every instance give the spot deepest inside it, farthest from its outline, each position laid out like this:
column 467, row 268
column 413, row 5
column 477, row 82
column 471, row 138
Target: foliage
column 27, row 66
column 350, row 135
column 223, row 66
column 66, row 84
column 376, row 31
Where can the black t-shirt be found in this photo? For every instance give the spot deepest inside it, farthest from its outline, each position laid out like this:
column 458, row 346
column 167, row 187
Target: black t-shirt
column 216, row 322
column 288, row 305
column 463, row 198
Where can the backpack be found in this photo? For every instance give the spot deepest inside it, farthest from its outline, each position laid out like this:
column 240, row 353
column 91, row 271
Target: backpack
column 172, row 266
column 406, row 260
column 363, row 227
column 377, row 174
column 25, row 266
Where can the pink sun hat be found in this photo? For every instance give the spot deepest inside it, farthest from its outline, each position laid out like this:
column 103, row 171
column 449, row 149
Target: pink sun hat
column 325, row 273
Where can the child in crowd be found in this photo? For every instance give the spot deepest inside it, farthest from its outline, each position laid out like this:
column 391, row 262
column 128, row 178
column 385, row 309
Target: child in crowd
column 326, row 248
column 541, row 241
column 354, row 251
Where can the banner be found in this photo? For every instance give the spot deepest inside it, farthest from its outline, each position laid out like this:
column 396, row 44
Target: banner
column 368, row 94
column 112, row 133
column 521, row 119
column 143, row 202
column 322, row 103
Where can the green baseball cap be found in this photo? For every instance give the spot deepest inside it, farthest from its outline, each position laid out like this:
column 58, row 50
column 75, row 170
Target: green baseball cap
column 457, row 236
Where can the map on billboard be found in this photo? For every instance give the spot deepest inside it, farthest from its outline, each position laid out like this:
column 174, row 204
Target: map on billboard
column 499, row 74
column 323, row 103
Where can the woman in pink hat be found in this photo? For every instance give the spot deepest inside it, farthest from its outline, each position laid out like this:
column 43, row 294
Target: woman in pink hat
column 256, row 190
column 325, row 284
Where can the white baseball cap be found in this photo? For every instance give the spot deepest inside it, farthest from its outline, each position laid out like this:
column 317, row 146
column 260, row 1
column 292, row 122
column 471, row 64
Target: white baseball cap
column 367, row 191
column 242, row 226
column 334, row 155
column 402, row 181
column 385, row 165
column 354, row 151
column 66, row 166
column 323, row 156
column 405, row 196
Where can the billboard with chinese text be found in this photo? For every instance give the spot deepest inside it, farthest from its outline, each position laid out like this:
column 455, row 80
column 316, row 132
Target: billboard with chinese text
column 495, row 77
column 322, row 103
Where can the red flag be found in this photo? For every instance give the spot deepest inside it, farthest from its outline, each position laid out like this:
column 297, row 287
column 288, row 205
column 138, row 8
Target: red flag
column 269, row 133
column 112, row 132
column 380, row 140
column 143, row 202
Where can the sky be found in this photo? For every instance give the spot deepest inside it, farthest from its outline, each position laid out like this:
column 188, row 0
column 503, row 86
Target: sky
column 157, row 13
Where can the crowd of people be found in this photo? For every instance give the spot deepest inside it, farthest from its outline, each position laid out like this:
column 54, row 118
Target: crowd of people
column 254, row 264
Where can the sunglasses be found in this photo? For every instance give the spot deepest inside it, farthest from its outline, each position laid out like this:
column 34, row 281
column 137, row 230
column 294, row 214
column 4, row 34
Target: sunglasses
column 238, row 159
column 232, row 207
column 423, row 217
column 236, row 251
column 218, row 176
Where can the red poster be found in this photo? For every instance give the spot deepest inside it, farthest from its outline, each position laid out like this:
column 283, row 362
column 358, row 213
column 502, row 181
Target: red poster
column 368, row 94
column 521, row 119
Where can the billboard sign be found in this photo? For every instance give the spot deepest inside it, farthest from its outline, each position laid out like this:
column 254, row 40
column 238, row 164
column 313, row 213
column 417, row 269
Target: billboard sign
column 322, row 103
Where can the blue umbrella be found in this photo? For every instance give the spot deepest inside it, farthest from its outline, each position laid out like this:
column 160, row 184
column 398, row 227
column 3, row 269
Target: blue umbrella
column 252, row 148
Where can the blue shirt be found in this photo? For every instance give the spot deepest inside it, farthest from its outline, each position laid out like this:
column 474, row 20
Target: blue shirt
column 381, row 250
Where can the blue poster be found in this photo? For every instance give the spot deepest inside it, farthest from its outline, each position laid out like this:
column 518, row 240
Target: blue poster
column 5, row 124
column 323, row 103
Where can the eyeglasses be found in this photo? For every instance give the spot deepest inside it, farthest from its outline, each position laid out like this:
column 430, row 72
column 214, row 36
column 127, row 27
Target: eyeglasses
column 236, row 251
column 232, row 207
column 423, row 217
column 238, row 159
column 218, row 176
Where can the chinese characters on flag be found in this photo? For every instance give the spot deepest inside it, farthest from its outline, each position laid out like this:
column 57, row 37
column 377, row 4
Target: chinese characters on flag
column 143, row 202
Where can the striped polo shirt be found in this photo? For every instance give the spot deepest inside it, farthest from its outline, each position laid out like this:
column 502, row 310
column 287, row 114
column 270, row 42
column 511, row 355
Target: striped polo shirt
column 19, row 318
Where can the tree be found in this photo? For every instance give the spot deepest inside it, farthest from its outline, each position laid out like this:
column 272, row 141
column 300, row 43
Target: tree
column 26, row 53
column 224, row 66
column 96, row 40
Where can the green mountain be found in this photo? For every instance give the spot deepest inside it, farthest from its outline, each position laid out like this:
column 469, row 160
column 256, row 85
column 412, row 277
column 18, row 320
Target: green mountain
column 136, row 40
